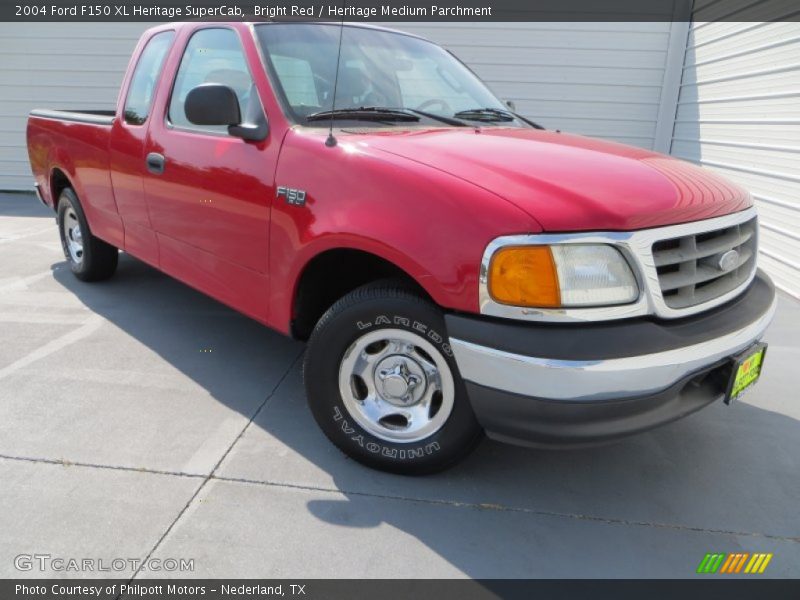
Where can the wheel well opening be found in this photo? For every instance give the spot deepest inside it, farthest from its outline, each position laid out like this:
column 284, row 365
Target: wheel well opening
column 58, row 182
column 333, row 274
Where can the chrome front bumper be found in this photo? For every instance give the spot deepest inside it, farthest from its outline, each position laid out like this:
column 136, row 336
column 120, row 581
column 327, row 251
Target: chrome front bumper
column 617, row 378
column 566, row 385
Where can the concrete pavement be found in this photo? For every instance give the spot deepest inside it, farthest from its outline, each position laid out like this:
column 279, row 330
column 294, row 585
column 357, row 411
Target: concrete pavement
column 139, row 418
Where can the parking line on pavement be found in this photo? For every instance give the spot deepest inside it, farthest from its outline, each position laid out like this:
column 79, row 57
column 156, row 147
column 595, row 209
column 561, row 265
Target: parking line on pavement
column 25, row 234
column 90, row 325
column 22, row 283
column 222, row 458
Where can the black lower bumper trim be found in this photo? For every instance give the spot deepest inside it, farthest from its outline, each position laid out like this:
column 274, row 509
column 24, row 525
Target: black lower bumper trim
column 540, row 422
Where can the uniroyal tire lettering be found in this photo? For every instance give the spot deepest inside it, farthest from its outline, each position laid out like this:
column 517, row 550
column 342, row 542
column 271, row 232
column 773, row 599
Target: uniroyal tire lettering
column 387, row 451
column 421, row 327
column 402, row 321
column 412, row 453
column 362, row 325
column 382, row 320
column 432, row 447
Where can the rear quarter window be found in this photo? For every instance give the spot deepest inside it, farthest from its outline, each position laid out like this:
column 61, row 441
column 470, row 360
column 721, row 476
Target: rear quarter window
column 145, row 78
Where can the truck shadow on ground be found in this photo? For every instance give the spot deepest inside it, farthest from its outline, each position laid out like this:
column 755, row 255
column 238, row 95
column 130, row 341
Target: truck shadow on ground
column 725, row 470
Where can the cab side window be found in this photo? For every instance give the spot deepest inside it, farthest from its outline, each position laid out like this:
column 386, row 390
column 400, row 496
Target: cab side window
column 211, row 56
column 145, row 78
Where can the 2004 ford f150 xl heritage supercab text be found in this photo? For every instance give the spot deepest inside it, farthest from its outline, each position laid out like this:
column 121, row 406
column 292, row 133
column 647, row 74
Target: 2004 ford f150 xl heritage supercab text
column 456, row 268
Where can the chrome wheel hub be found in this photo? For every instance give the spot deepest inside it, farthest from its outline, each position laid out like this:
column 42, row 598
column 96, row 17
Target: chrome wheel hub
column 400, row 380
column 396, row 385
column 73, row 236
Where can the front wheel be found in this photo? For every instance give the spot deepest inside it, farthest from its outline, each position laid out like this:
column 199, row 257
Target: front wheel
column 383, row 385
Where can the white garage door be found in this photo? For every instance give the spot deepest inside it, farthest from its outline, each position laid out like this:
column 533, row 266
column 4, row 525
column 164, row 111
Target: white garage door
column 54, row 65
column 601, row 79
column 739, row 113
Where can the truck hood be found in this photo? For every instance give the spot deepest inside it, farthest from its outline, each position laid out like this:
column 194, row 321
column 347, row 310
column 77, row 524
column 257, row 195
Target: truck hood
column 568, row 182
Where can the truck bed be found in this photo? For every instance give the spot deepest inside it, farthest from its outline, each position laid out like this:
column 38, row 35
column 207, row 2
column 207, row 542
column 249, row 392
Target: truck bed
column 94, row 117
column 73, row 146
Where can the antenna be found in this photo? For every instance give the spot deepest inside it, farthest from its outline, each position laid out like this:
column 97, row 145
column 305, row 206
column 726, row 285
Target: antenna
column 331, row 141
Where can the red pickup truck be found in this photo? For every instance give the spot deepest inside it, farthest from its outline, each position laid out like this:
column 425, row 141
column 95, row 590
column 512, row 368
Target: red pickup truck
column 455, row 268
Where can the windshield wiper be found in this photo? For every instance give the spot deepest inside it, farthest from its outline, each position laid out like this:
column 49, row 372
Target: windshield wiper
column 491, row 115
column 364, row 113
column 494, row 115
column 412, row 114
column 447, row 120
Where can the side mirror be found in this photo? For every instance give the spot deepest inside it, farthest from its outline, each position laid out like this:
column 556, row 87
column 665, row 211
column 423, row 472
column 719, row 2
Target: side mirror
column 510, row 104
column 217, row 104
column 212, row 104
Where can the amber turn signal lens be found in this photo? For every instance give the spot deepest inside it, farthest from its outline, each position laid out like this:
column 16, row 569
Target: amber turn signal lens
column 524, row 276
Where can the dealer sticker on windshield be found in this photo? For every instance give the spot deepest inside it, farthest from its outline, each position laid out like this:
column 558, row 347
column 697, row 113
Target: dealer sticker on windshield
column 746, row 371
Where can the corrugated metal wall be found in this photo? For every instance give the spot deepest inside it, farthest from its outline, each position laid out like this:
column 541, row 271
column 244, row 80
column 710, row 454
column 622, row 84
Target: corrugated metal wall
column 739, row 114
column 55, row 65
column 599, row 79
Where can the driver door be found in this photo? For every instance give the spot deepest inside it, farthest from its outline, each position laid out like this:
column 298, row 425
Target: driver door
column 209, row 193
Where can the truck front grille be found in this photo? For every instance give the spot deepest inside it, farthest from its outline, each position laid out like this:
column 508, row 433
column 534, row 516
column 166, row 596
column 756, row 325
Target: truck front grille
column 695, row 269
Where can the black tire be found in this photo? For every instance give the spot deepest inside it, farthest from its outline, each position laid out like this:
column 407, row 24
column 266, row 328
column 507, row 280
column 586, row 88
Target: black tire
column 370, row 310
column 96, row 260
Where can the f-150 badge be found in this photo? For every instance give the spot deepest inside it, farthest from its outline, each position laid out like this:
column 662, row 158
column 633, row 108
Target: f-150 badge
column 292, row 196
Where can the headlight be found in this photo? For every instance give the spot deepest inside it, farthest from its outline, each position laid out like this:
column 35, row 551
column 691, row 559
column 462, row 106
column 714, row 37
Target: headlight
column 561, row 275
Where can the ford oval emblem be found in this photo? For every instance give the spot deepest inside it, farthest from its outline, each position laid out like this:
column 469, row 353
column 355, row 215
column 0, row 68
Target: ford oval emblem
column 728, row 261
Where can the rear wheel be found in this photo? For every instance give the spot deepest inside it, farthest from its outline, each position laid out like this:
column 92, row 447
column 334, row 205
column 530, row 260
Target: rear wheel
column 89, row 258
column 383, row 385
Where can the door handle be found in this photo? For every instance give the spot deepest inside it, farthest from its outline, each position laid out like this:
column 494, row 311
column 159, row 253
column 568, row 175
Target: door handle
column 155, row 163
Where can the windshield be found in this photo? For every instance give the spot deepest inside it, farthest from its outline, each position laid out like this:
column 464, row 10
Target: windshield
column 377, row 69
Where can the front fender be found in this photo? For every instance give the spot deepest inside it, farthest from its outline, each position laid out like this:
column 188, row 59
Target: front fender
column 428, row 223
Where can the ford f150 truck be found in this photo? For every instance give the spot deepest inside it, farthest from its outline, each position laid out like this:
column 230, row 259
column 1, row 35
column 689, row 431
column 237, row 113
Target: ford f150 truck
column 455, row 268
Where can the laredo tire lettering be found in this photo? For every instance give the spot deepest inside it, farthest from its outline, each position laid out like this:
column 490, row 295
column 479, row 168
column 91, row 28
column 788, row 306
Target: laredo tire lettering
column 435, row 337
column 432, row 334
